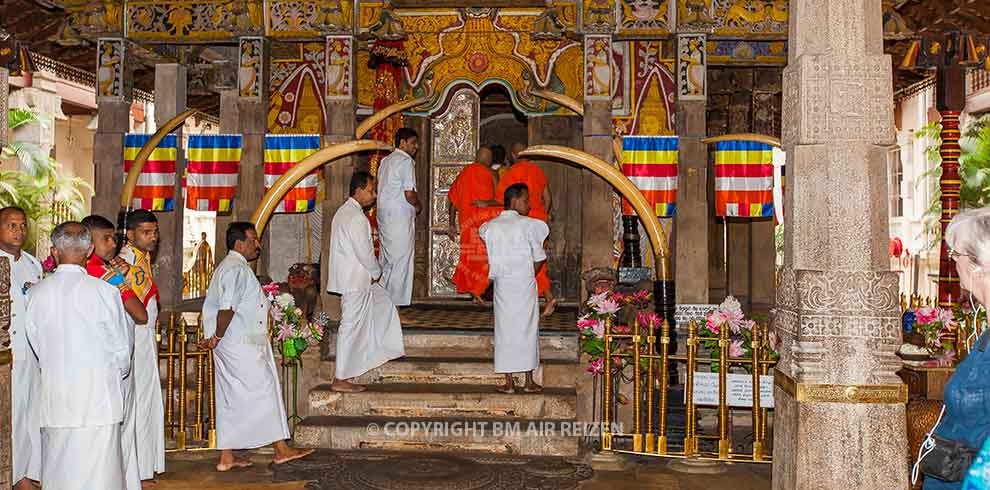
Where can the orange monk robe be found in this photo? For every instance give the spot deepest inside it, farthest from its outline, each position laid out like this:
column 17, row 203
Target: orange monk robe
column 523, row 172
column 475, row 182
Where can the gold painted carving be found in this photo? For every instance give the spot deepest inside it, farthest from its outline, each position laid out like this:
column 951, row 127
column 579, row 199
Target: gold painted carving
column 734, row 17
column 827, row 393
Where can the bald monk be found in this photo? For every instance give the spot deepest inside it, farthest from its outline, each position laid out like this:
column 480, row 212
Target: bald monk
column 524, row 172
column 470, row 195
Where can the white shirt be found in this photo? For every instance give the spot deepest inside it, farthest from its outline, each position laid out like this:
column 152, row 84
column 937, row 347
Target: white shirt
column 24, row 273
column 396, row 175
column 235, row 287
column 514, row 243
column 352, row 263
column 77, row 326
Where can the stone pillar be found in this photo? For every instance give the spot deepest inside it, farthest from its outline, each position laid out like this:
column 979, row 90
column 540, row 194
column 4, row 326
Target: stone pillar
column 42, row 99
column 340, row 125
column 229, row 124
column 113, row 102
column 4, row 88
column 840, row 420
column 5, row 352
column 170, row 100
column 252, row 111
column 596, row 250
column 691, row 223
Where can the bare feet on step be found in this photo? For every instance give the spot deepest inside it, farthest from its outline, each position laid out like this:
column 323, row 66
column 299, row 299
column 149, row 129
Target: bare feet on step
column 345, row 386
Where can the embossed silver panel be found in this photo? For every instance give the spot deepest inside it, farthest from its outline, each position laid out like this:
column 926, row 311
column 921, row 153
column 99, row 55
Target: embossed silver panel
column 455, row 135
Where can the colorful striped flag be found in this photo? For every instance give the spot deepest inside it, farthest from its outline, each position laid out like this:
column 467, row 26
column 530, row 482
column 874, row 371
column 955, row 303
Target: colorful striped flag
column 281, row 153
column 743, row 179
column 650, row 162
column 213, row 162
column 779, row 171
column 155, row 189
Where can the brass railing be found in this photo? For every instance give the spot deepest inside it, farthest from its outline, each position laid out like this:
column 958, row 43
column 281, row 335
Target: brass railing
column 650, row 412
column 190, row 408
column 915, row 301
column 197, row 279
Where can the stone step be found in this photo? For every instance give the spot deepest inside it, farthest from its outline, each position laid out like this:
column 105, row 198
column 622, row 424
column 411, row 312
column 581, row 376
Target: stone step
column 543, row 437
column 454, row 370
column 408, row 400
column 478, row 344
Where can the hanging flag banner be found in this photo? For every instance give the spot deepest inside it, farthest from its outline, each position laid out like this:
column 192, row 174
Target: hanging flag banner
column 155, row 189
column 743, row 179
column 779, row 158
column 212, row 165
column 650, row 162
column 282, row 151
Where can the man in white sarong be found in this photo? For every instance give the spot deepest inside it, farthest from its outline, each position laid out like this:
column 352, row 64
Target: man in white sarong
column 149, row 407
column 99, row 265
column 398, row 205
column 370, row 333
column 515, row 252
column 77, row 327
column 249, row 406
column 25, row 271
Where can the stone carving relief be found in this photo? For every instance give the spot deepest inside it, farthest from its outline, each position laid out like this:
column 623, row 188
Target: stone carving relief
column 733, row 17
column 4, row 302
column 597, row 67
column 111, row 83
column 339, row 79
column 293, row 18
column 4, row 86
column 692, row 67
column 250, row 78
column 644, row 15
column 194, row 21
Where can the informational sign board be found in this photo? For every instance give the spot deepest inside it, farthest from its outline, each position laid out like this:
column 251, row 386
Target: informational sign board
column 739, row 392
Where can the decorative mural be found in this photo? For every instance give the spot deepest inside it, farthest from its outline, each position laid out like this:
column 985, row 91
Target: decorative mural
column 599, row 15
column 308, row 18
column 296, row 104
column 741, row 17
column 691, row 66
column 192, row 20
column 645, row 104
column 644, row 16
column 110, row 80
column 694, row 14
column 251, row 66
column 737, row 51
column 339, row 81
column 597, row 67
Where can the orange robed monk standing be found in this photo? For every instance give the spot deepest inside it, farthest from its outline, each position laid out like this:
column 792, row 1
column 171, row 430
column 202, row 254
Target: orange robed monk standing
column 469, row 196
column 524, row 172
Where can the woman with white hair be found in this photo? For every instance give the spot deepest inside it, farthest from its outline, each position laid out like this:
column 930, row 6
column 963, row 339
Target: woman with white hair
column 965, row 422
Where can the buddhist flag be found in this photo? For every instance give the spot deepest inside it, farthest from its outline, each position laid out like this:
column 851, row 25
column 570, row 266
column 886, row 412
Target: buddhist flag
column 281, row 153
column 213, row 162
column 155, row 189
column 743, row 179
column 650, row 162
column 778, row 184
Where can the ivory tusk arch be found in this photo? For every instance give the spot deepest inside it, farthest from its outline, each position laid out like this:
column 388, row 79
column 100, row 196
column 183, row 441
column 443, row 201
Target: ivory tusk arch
column 560, row 99
column 625, row 187
column 145, row 152
column 387, row 112
column 759, row 138
column 289, row 179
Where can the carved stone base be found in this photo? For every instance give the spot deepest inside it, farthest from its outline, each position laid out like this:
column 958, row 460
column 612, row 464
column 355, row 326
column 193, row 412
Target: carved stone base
column 609, row 461
column 697, row 466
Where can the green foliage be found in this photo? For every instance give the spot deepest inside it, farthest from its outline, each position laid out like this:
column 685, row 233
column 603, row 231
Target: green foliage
column 33, row 180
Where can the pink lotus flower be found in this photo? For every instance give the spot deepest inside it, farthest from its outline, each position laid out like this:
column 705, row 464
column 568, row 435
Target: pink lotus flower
column 277, row 314
column 598, row 329
column 736, row 349
column 585, row 322
column 620, row 329
column 270, row 288
column 946, row 316
column 925, row 315
column 946, row 357
column 49, row 264
column 284, row 331
column 607, row 307
column 649, row 318
column 716, row 320
column 596, row 367
column 596, row 299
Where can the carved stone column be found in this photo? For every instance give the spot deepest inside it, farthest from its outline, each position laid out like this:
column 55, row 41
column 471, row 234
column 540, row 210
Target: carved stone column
column 41, row 98
column 5, row 352
column 840, row 419
column 4, row 92
column 113, row 101
column 229, row 124
column 170, row 100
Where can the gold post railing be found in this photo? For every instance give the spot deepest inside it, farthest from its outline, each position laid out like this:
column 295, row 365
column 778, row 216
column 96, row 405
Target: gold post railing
column 189, row 424
column 650, row 373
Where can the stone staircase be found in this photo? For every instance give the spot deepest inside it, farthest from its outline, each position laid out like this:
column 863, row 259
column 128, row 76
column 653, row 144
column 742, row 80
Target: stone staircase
column 442, row 397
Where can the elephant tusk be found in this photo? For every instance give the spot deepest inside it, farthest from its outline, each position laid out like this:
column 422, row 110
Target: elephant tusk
column 759, row 138
column 561, row 100
column 385, row 113
column 142, row 156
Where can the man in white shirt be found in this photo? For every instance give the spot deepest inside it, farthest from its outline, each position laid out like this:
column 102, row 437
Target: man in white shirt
column 249, row 406
column 25, row 271
column 370, row 333
column 398, row 205
column 77, row 327
column 515, row 251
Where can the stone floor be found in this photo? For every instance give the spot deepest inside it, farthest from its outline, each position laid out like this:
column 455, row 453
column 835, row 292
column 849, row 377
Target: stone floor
column 358, row 470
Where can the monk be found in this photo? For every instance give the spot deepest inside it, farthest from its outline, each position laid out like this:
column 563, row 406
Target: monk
column 524, row 172
column 470, row 195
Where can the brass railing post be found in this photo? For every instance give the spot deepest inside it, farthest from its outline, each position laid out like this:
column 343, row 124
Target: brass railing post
column 664, row 384
column 180, row 438
column 170, row 376
column 690, row 422
column 607, row 387
column 637, row 390
column 723, row 402
column 651, row 340
column 756, row 356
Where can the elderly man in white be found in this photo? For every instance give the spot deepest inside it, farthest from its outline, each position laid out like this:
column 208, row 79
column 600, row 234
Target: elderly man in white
column 25, row 271
column 398, row 205
column 515, row 251
column 77, row 327
column 370, row 333
column 249, row 406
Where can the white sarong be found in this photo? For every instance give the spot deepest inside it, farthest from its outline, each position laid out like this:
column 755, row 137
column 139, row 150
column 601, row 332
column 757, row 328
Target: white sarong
column 148, row 404
column 250, row 413
column 517, row 324
column 85, row 458
column 26, row 433
column 370, row 333
column 396, row 235
column 128, row 436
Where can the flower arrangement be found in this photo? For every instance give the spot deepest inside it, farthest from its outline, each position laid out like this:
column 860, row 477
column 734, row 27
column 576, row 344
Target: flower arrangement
column 933, row 323
column 729, row 316
column 293, row 332
column 49, row 265
column 603, row 306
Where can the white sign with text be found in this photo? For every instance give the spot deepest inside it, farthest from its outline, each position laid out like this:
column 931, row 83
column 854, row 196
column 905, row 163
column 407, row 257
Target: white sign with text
column 739, row 393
